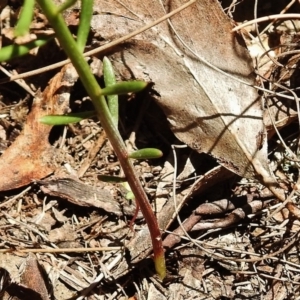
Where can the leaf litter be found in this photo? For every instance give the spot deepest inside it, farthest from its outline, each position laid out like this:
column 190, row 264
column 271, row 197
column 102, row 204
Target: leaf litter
column 254, row 257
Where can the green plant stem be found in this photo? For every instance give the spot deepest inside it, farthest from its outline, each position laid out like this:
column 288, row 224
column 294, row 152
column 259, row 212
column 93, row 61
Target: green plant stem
column 70, row 47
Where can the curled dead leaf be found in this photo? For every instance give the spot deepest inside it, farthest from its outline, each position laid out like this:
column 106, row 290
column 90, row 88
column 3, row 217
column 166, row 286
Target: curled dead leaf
column 31, row 157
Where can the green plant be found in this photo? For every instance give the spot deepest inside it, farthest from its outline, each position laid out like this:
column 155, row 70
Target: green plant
column 107, row 113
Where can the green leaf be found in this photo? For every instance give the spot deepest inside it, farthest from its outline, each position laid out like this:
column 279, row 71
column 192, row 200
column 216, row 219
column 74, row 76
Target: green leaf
column 12, row 51
column 67, row 119
column 25, row 18
column 110, row 80
column 129, row 196
column 124, row 87
column 146, row 153
column 86, row 14
column 111, row 179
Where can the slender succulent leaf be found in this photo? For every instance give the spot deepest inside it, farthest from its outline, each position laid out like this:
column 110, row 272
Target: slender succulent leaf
column 12, row 51
column 112, row 179
column 25, row 19
column 146, row 153
column 124, row 87
column 110, row 80
column 84, row 23
column 67, row 119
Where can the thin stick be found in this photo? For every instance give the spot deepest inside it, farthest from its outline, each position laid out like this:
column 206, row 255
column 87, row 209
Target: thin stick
column 268, row 18
column 21, row 83
column 61, row 250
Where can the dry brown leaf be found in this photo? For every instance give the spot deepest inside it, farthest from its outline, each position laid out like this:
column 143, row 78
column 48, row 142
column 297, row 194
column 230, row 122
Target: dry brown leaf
column 207, row 110
column 32, row 284
column 31, row 157
column 33, row 278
